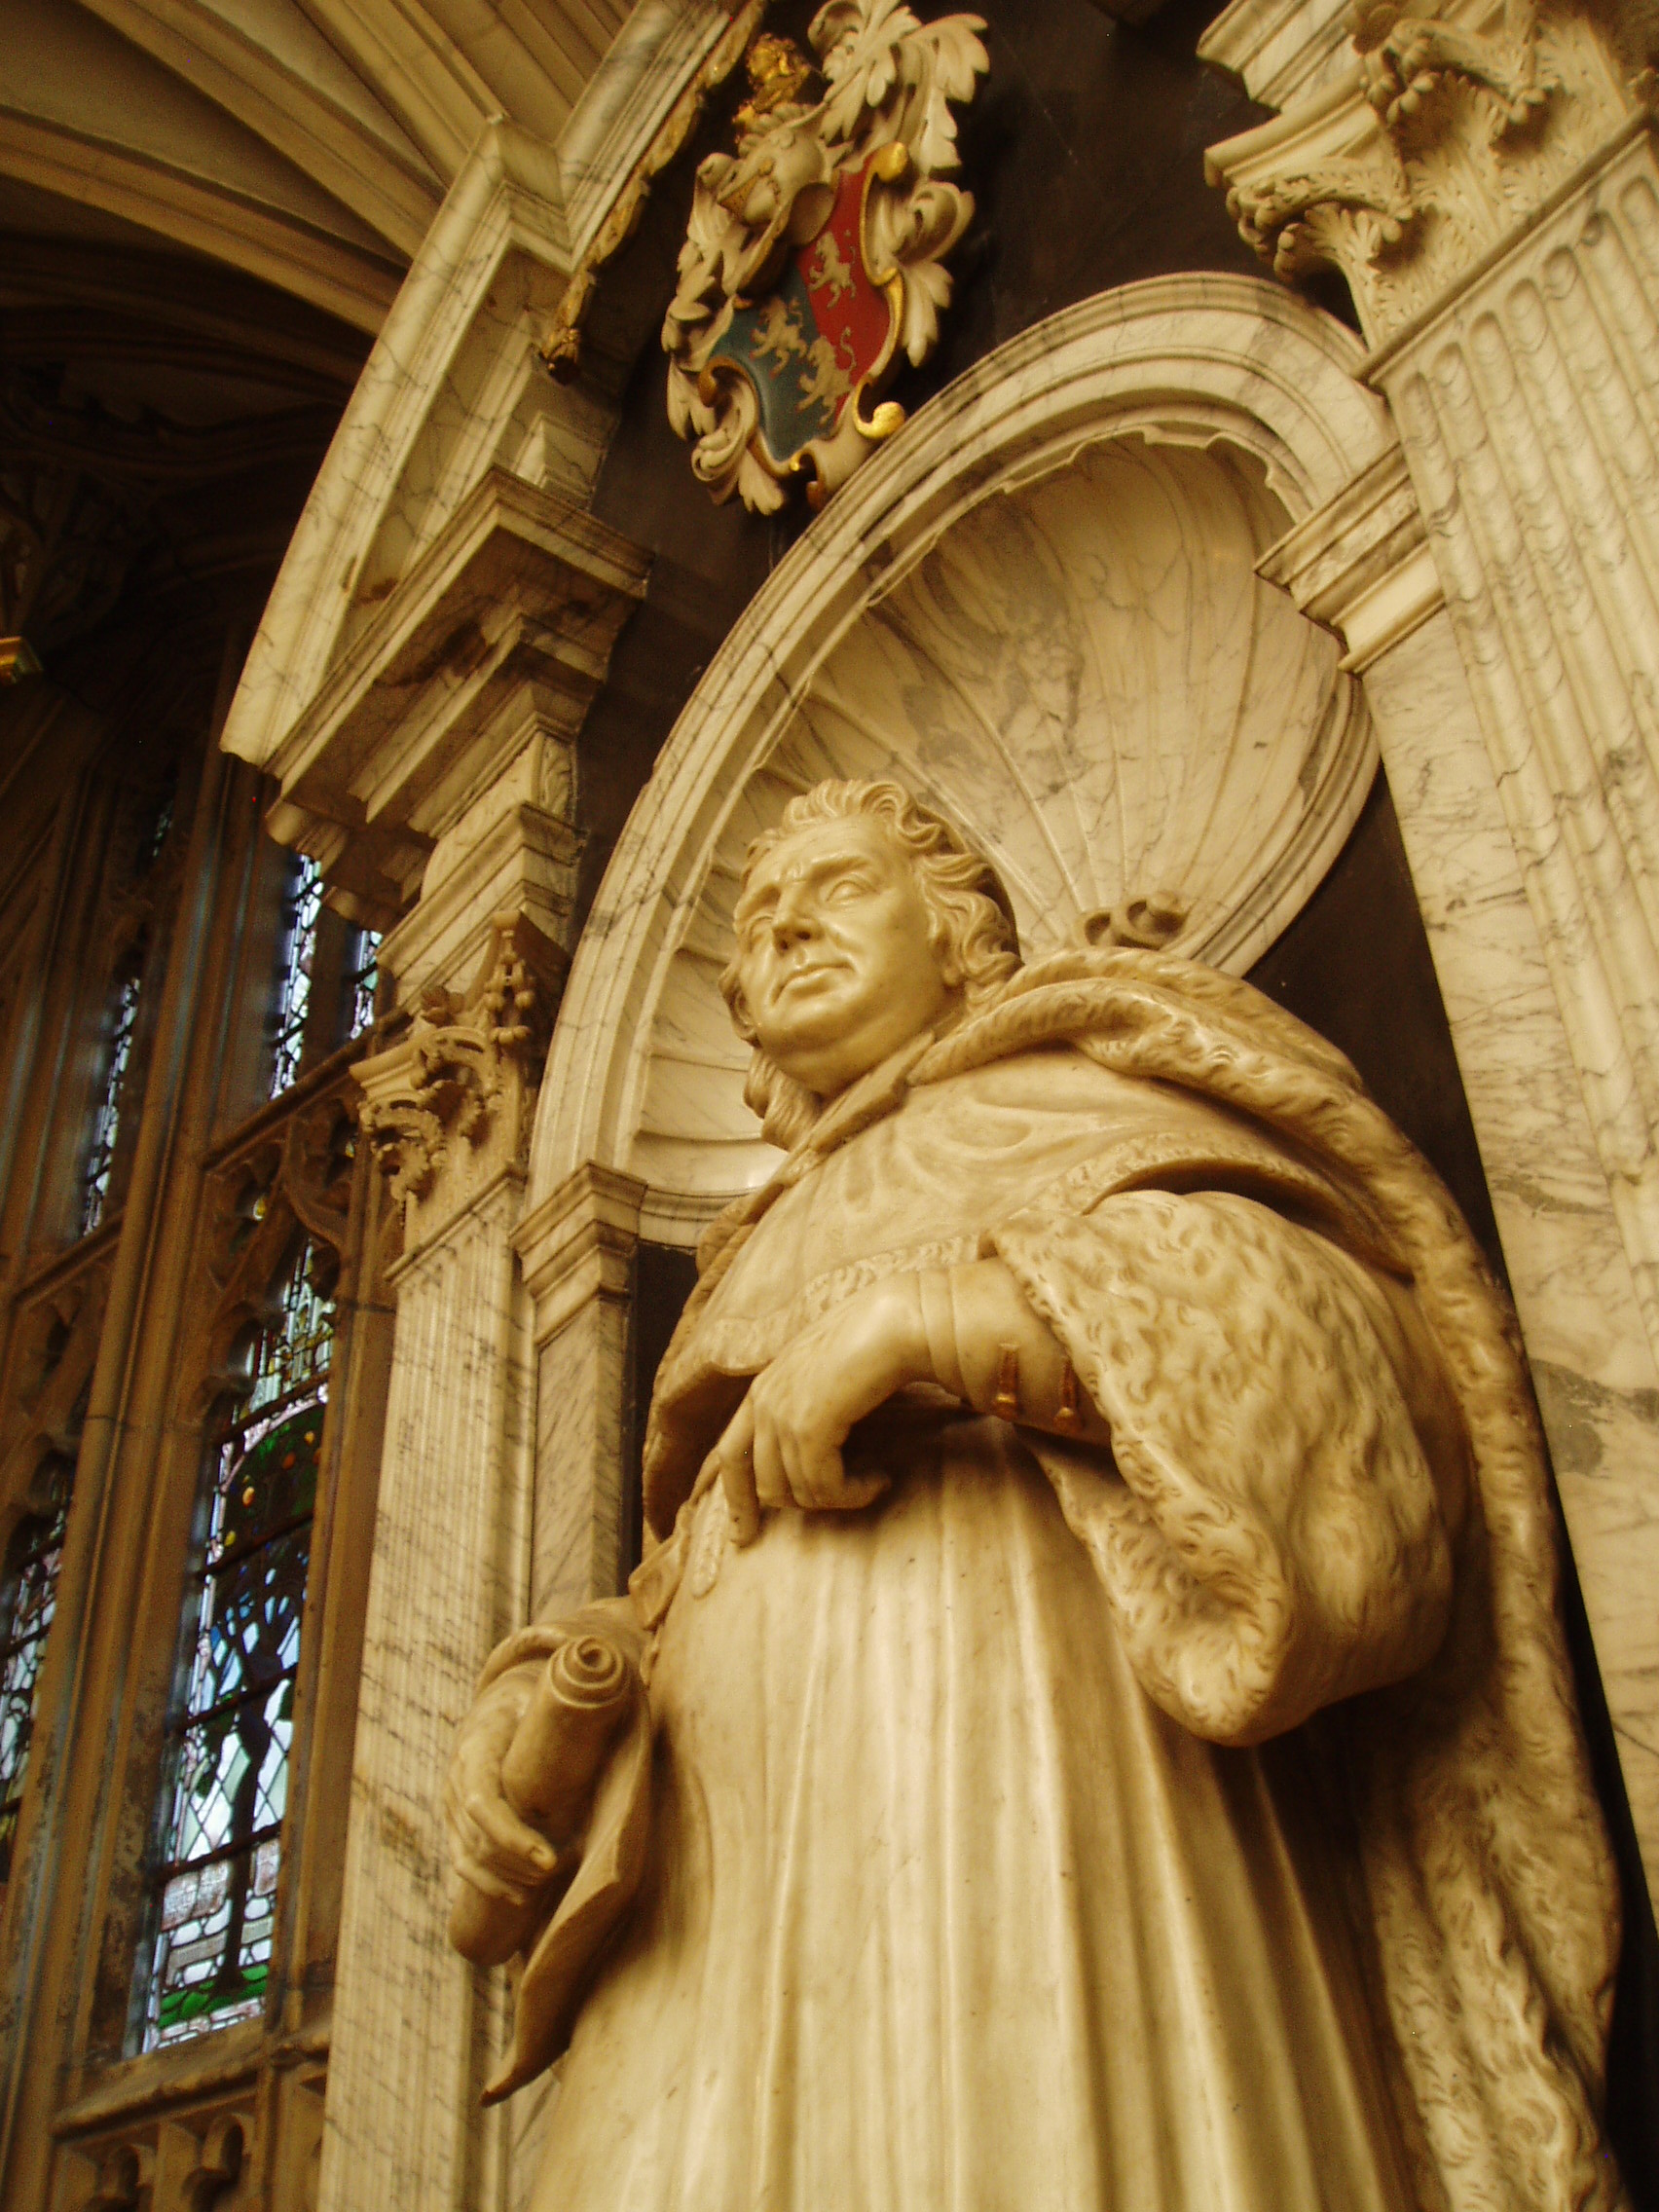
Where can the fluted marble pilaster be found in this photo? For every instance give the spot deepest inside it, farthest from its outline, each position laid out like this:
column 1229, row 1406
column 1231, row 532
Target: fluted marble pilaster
column 1529, row 414
column 416, row 2028
column 417, row 2032
column 1362, row 564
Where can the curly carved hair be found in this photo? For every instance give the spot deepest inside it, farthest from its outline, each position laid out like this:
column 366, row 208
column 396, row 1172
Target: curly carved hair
column 973, row 923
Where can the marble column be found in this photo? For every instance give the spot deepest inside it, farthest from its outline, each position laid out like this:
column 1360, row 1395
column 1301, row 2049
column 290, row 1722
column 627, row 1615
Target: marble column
column 1491, row 194
column 578, row 1249
column 1367, row 565
column 415, row 2031
column 1529, row 413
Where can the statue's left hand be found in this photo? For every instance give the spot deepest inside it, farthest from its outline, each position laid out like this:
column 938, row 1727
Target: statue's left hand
column 783, row 1446
column 491, row 1848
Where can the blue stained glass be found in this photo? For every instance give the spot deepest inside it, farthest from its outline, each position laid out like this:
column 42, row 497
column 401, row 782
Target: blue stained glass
column 106, row 1115
column 226, row 1790
column 303, row 906
column 362, row 981
column 29, row 1598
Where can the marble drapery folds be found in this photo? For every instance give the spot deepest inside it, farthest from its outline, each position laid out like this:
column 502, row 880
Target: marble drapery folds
column 966, row 1867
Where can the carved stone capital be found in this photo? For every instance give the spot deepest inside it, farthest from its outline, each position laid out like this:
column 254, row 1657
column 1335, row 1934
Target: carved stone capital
column 448, row 1108
column 1409, row 167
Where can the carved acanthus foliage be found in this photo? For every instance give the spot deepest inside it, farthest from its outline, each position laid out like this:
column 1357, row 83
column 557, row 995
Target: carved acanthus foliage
column 1332, row 212
column 1404, row 56
column 813, row 259
column 1447, row 131
column 451, row 1102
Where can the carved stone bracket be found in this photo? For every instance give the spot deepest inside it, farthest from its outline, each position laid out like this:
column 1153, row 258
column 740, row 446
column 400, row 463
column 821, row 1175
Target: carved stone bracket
column 449, row 1106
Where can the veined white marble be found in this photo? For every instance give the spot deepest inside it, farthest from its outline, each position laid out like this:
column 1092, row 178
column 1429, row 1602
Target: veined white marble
column 1592, row 1365
column 1489, row 183
column 373, row 498
column 1040, row 607
column 454, row 386
column 415, row 2031
column 655, row 55
column 1281, row 51
column 1529, row 414
column 578, row 1251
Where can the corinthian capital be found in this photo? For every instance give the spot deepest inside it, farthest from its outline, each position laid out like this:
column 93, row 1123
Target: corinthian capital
column 1409, row 162
column 448, row 1108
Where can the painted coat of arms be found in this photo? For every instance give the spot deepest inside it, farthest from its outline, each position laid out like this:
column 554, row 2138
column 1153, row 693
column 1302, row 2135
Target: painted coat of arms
column 814, row 256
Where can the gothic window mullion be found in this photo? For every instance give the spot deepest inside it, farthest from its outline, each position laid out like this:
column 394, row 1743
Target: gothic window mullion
column 225, row 1778
column 28, row 1598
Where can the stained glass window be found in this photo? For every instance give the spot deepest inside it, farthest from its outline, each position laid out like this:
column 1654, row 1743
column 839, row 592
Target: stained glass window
column 122, row 1021
column 159, row 827
column 226, row 1776
column 362, row 981
column 300, row 912
column 28, row 1595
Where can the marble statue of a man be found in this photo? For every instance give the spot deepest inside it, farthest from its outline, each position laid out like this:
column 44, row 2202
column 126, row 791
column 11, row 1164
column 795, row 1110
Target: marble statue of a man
column 1100, row 1736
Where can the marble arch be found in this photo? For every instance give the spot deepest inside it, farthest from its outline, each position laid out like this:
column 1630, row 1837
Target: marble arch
column 1142, row 712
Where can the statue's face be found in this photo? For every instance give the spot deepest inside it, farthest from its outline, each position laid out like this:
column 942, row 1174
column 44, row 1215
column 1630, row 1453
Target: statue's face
column 833, row 953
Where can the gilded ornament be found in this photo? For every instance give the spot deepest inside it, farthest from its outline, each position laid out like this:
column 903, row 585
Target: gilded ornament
column 813, row 259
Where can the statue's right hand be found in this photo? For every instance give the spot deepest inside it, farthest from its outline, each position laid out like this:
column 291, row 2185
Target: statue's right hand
column 490, row 1845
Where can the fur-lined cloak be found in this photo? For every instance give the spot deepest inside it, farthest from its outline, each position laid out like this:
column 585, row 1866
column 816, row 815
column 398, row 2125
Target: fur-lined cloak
column 1201, row 1823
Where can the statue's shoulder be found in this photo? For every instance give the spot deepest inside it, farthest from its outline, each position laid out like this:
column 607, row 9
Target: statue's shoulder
column 1181, row 1017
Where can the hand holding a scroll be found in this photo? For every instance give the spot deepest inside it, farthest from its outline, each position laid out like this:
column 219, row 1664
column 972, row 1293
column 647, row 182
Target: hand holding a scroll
column 492, row 1846
column 527, row 1763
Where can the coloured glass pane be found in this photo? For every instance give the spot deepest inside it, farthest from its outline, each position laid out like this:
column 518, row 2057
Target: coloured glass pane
column 28, row 1595
column 106, row 1113
column 303, row 906
column 362, row 981
column 220, row 1840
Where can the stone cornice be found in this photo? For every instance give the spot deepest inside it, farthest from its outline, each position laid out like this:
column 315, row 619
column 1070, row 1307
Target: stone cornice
column 1361, row 564
column 408, row 730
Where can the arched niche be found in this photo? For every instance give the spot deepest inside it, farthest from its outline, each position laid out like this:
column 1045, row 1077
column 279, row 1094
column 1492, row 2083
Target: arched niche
column 1040, row 609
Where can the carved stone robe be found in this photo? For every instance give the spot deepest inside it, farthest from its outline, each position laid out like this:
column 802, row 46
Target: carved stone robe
column 1197, row 1823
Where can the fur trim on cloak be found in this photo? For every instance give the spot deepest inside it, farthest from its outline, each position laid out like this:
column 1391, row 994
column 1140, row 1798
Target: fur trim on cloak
column 1487, row 1884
